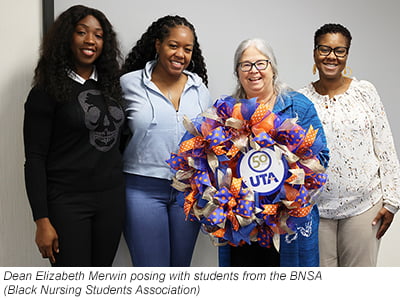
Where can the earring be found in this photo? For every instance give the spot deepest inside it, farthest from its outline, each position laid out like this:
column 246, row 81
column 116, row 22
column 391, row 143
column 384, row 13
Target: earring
column 314, row 69
column 156, row 57
column 347, row 71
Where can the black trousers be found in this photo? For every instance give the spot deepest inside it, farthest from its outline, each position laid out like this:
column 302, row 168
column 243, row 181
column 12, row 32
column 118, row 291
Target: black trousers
column 254, row 255
column 89, row 226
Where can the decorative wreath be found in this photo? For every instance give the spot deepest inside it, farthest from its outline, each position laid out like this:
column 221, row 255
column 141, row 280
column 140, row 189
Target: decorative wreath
column 276, row 158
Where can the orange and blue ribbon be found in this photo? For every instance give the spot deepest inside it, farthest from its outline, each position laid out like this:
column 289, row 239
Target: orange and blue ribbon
column 230, row 211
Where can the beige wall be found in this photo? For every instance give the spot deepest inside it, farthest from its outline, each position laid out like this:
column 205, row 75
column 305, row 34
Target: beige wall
column 20, row 32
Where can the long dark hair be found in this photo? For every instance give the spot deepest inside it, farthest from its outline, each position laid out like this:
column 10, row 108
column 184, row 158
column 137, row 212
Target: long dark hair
column 144, row 49
column 56, row 56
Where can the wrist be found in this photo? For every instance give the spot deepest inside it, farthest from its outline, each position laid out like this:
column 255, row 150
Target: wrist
column 42, row 222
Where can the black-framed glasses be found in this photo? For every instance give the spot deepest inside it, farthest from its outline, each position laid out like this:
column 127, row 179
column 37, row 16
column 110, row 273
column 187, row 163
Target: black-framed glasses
column 326, row 50
column 246, row 66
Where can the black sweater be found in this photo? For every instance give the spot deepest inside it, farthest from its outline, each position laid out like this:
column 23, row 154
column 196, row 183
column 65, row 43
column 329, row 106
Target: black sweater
column 70, row 146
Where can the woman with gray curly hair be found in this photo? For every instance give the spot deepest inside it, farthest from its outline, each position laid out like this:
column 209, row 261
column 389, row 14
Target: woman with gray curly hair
column 256, row 70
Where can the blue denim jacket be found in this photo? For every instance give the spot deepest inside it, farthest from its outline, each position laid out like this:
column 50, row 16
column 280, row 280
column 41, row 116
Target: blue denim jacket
column 293, row 104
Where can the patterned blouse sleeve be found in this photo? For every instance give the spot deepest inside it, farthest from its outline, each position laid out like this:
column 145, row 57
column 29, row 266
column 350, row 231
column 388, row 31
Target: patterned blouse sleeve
column 384, row 149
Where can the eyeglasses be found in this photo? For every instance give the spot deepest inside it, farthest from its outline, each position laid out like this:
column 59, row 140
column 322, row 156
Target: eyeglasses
column 260, row 65
column 326, row 50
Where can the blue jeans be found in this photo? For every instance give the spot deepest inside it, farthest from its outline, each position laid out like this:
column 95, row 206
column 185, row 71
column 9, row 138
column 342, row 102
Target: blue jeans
column 156, row 231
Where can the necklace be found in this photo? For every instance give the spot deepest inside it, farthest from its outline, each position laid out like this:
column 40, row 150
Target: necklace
column 271, row 101
column 174, row 98
column 171, row 89
column 170, row 96
column 331, row 89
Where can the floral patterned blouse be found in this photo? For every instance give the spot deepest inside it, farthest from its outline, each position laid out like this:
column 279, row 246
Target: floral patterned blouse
column 363, row 167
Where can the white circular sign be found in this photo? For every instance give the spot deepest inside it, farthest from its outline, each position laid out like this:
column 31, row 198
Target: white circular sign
column 263, row 170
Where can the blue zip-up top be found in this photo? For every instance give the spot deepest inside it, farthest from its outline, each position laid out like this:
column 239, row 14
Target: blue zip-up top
column 156, row 126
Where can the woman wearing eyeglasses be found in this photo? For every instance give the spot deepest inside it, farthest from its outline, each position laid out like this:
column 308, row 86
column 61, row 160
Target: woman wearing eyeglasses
column 257, row 76
column 362, row 195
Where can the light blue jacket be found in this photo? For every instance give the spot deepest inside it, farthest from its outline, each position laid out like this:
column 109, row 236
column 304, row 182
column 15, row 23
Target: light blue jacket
column 156, row 126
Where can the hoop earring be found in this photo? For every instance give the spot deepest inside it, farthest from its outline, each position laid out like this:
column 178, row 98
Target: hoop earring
column 314, row 69
column 347, row 71
column 191, row 69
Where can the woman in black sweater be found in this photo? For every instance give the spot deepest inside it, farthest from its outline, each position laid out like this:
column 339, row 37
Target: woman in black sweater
column 73, row 119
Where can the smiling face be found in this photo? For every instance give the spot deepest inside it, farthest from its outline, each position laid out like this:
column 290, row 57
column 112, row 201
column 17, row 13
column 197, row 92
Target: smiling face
column 86, row 45
column 256, row 83
column 175, row 51
column 331, row 66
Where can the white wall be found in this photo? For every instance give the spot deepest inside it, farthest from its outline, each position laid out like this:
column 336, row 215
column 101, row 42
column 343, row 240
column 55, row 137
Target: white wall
column 288, row 26
column 20, row 23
